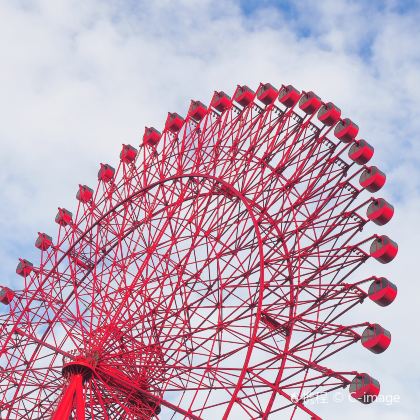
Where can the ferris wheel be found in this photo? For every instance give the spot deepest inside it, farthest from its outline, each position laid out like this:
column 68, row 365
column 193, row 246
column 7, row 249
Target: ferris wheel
column 208, row 275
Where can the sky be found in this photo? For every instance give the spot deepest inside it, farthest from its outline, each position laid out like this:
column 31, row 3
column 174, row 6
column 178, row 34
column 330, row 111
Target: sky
column 79, row 78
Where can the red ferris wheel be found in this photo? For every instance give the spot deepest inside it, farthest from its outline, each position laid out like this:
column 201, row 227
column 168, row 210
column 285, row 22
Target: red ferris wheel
column 209, row 275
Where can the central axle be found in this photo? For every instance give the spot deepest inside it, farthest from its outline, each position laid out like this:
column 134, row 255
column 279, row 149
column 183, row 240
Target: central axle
column 81, row 369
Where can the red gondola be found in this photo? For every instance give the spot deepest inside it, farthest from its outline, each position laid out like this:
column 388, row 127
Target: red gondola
column 221, row 101
column 151, row 136
column 106, row 173
column 84, row 194
column 364, row 388
column 372, row 179
column 383, row 249
column 382, row 291
column 24, row 267
column 309, row 102
column 289, row 96
column 174, row 122
column 329, row 114
column 380, row 211
column 267, row 93
column 243, row 95
column 197, row 110
column 376, row 338
column 128, row 153
column 361, row 152
column 346, row 130
column 64, row 217
column 43, row 241
column 6, row 295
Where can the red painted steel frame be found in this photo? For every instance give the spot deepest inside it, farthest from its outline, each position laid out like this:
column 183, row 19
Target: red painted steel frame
column 72, row 397
column 205, row 277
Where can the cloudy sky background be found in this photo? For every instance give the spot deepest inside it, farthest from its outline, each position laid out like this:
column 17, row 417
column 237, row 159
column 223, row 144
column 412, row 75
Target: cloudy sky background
column 79, row 78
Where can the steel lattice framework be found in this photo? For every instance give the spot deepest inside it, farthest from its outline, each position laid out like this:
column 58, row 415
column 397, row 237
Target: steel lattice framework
column 204, row 277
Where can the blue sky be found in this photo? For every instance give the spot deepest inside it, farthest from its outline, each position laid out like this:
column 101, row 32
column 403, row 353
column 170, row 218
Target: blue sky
column 79, row 78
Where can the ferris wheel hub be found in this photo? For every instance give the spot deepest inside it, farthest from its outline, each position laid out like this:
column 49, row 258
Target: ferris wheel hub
column 78, row 368
column 81, row 364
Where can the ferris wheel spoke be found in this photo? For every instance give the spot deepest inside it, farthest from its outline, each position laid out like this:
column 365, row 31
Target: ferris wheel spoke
column 96, row 403
column 148, row 257
column 103, row 308
column 43, row 343
column 110, row 379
